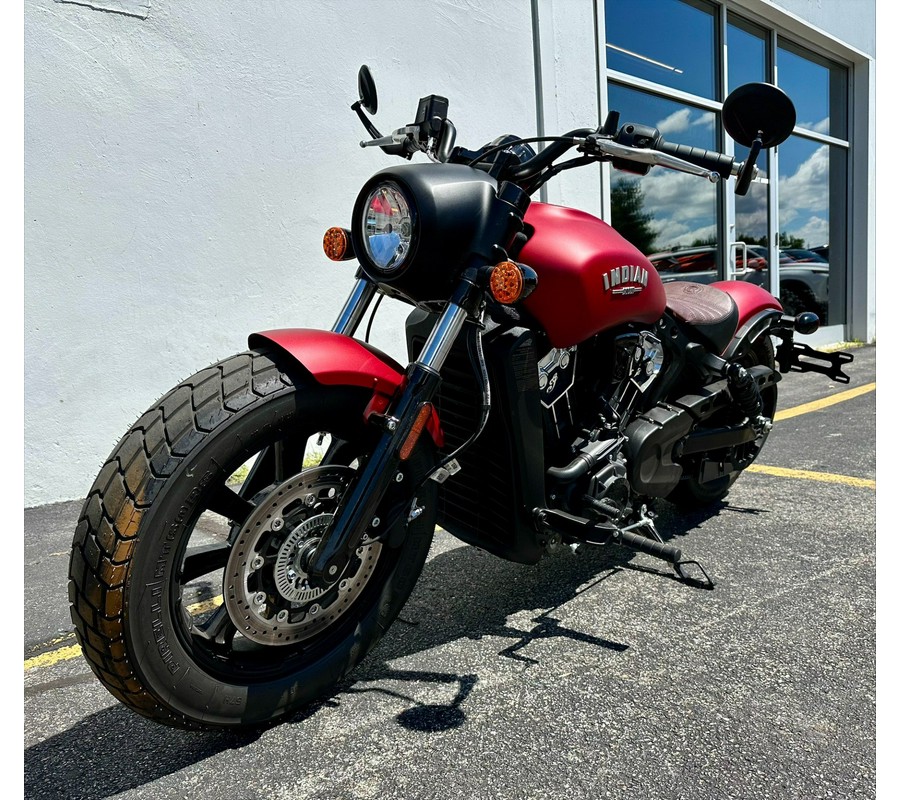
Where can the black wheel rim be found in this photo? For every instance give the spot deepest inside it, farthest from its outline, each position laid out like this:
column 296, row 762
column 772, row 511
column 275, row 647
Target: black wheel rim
column 200, row 614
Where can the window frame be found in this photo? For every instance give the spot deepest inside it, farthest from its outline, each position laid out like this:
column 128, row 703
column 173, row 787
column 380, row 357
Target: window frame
column 726, row 12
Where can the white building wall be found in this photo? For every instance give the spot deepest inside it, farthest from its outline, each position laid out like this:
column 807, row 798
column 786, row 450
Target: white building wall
column 183, row 159
column 851, row 21
column 568, row 92
column 181, row 169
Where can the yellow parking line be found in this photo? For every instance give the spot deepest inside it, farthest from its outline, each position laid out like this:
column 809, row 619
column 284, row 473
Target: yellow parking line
column 808, row 475
column 52, row 657
column 73, row 651
column 831, row 400
column 205, row 605
column 59, row 640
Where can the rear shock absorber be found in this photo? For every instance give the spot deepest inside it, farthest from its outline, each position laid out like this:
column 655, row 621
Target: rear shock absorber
column 746, row 395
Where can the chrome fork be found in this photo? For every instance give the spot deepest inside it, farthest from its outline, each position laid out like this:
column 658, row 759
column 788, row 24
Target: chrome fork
column 439, row 343
column 355, row 308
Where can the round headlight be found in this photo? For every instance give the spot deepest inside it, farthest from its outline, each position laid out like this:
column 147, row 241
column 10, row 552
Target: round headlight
column 387, row 227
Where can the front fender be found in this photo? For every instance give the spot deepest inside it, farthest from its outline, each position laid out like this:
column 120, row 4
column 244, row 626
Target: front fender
column 333, row 359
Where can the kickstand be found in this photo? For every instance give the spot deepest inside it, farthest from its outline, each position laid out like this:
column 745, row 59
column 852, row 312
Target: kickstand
column 692, row 580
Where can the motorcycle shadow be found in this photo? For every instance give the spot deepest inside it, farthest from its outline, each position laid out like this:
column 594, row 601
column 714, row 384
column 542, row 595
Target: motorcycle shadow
column 463, row 593
column 115, row 750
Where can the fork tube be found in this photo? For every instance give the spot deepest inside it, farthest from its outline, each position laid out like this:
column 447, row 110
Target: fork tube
column 355, row 307
column 442, row 337
column 358, row 507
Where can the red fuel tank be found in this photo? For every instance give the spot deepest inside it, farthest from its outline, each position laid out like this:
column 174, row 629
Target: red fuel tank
column 590, row 279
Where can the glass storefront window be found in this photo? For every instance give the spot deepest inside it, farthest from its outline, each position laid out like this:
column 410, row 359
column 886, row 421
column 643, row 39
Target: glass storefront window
column 746, row 53
column 675, row 218
column 670, row 216
column 812, row 207
column 671, row 42
column 818, row 89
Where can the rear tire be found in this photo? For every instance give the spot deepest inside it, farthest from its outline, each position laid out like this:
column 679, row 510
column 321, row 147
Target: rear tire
column 153, row 551
column 690, row 493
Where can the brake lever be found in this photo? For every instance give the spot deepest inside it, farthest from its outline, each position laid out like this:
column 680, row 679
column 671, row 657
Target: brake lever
column 643, row 155
column 384, row 141
column 402, row 142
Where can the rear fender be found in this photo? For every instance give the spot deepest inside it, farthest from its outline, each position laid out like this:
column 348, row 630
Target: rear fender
column 749, row 298
column 333, row 359
column 757, row 312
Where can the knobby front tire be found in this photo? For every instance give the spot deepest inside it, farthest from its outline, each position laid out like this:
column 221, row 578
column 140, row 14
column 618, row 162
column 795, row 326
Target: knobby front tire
column 153, row 558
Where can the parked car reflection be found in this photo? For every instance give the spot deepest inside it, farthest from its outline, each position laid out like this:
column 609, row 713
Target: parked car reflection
column 805, row 255
column 804, row 278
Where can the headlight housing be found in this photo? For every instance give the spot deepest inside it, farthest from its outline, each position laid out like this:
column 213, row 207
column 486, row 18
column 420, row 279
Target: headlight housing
column 388, row 228
column 417, row 226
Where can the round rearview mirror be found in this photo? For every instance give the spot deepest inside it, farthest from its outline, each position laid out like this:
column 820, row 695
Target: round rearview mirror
column 758, row 109
column 368, row 97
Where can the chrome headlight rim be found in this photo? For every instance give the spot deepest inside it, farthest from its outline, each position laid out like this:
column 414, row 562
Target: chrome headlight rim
column 387, row 264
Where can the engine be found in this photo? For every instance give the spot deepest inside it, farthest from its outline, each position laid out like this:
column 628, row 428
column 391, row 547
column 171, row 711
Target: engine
column 586, row 413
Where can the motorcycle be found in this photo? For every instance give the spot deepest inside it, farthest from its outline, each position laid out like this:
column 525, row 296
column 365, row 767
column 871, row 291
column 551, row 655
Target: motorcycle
column 256, row 532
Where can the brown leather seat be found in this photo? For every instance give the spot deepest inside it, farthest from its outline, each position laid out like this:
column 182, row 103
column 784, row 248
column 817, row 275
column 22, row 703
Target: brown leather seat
column 709, row 314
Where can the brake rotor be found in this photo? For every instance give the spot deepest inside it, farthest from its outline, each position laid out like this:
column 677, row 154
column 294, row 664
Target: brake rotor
column 267, row 591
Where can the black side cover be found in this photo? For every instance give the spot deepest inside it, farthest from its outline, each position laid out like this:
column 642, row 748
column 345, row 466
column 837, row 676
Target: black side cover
column 660, row 435
column 652, row 438
column 489, row 502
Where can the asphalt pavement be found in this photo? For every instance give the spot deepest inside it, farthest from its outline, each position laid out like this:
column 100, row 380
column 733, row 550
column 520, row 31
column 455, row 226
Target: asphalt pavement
column 590, row 675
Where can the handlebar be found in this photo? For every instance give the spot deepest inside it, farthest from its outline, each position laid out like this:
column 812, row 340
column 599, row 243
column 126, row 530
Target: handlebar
column 531, row 168
column 635, row 148
column 632, row 147
column 758, row 107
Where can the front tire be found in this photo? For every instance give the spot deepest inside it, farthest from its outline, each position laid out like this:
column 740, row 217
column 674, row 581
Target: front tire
column 154, row 571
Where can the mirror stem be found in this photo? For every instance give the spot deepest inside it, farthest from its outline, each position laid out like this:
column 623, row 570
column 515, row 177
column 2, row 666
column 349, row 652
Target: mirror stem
column 367, row 123
column 746, row 174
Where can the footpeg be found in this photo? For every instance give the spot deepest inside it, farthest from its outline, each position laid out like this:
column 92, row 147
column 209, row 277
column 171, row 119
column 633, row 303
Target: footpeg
column 642, row 544
column 654, row 546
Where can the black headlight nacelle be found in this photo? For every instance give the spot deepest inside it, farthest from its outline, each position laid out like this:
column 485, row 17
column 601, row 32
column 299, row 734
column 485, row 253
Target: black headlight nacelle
column 450, row 207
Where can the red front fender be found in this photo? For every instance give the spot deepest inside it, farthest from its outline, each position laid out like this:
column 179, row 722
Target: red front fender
column 333, row 359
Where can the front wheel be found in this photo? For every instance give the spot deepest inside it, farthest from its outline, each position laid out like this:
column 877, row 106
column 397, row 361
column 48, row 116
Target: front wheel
column 187, row 584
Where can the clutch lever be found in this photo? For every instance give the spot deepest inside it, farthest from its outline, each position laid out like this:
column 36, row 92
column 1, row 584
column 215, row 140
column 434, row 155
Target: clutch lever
column 402, row 142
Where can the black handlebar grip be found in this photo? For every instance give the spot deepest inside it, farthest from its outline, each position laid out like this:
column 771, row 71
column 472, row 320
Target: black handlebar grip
column 708, row 159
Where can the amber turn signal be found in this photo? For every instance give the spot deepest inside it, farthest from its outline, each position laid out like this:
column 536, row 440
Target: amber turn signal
column 511, row 282
column 424, row 414
column 336, row 244
column 506, row 282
